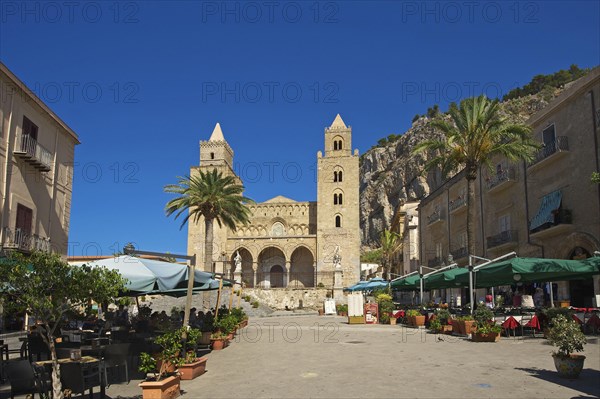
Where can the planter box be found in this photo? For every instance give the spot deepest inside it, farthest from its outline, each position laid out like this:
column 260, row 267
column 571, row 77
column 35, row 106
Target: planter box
column 393, row 320
column 446, row 329
column 469, row 327
column 410, row 320
column 419, row 321
column 192, row 370
column 458, row 327
column 163, row 389
column 491, row 337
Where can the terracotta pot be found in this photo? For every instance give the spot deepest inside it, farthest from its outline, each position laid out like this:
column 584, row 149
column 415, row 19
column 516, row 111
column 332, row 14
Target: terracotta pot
column 321, row 312
column 446, row 329
column 469, row 327
column 569, row 366
column 170, row 367
column 167, row 388
column 189, row 371
column 491, row 337
column 419, row 321
column 230, row 337
column 410, row 320
column 217, row 344
column 393, row 320
column 457, row 327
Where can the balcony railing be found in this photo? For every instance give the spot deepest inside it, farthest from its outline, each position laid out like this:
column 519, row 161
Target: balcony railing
column 23, row 241
column 498, row 179
column 504, row 237
column 435, row 262
column 457, row 203
column 561, row 144
column 31, row 151
column 434, row 217
column 459, row 253
column 560, row 216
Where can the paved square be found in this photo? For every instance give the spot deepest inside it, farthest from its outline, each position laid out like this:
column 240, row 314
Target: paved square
column 323, row 357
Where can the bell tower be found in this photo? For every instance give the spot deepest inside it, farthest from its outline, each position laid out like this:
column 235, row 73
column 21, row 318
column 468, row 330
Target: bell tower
column 338, row 228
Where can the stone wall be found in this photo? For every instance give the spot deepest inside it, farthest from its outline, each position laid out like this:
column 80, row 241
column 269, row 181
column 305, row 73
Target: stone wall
column 279, row 298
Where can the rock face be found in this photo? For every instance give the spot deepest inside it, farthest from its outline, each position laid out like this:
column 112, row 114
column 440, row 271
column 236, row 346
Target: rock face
column 391, row 174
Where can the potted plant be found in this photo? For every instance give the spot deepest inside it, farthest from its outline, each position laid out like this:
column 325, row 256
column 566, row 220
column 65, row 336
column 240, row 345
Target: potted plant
column 192, row 366
column 443, row 315
column 465, row 325
column 411, row 316
column 386, row 306
column 218, row 341
column 164, row 384
column 342, row 309
column 435, row 325
column 548, row 315
column 566, row 335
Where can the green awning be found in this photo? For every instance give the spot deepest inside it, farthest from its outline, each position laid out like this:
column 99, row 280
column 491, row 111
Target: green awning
column 528, row 270
column 407, row 283
column 550, row 204
column 446, row 279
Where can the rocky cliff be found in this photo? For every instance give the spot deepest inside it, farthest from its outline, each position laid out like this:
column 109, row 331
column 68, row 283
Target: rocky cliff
column 391, row 175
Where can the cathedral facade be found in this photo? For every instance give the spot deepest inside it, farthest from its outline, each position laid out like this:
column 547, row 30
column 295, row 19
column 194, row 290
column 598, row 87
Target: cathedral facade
column 290, row 244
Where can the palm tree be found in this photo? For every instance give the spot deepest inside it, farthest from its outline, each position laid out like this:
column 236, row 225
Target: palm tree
column 212, row 196
column 390, row 245
column 474, row 135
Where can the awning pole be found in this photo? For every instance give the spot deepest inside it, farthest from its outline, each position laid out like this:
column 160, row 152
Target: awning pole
column 421, row 285
column 551, row 295
column 190, row 291
column 471, row 283
column 231, row 298
column 218, row 298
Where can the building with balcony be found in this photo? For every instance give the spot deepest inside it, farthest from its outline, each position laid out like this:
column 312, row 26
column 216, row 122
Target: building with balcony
column 545, row 208
column 36, row 163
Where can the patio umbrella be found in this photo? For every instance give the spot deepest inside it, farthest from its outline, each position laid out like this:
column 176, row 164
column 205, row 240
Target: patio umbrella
column 147, row 276
column 357, row 287
column 446, row 279
column 375, row 283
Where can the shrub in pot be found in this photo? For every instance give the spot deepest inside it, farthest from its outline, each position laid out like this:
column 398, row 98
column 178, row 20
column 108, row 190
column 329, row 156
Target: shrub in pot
column 566, row 335
column 164, row 383
column 386, row 306
column 487, row 331
column 435, row 325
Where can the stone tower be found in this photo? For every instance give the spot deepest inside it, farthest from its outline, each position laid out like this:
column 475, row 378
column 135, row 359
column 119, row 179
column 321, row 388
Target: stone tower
column 215, row 153
column 338, row 203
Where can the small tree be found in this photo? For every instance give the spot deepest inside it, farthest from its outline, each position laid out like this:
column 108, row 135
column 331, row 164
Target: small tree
column 391, row 243
column 47, row 287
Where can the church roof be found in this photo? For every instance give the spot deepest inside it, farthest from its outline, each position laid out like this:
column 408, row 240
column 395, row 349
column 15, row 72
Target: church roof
column 338, row 123
column 279, row 199
column 217, row 134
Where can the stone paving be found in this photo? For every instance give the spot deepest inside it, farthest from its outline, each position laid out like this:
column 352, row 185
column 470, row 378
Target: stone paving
column 324, row 357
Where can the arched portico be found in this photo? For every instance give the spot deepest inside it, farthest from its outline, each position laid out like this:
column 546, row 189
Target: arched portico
column 246, row 274
column 302, row 269
column 271, row 260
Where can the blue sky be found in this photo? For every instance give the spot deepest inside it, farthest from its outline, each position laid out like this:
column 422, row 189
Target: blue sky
column 142, row 82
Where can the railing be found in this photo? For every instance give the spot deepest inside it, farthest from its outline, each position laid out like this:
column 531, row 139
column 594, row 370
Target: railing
column 24, row 241
column 560, row 144
column 434, row 217
column 459, row 253
column 289, row 280
column 434, row 262
column 561, row 216
column 28, row 147
column 501, row 177
column 502, row 238
column 457, row 203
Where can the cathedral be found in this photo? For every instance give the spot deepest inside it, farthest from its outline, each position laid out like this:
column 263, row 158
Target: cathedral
column 290, row 244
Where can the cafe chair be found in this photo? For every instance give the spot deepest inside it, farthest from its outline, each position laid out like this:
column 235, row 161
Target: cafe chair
column 21, row 378
column 79, row 377
column 43, row 381
column 115, row 357
column 37, row 347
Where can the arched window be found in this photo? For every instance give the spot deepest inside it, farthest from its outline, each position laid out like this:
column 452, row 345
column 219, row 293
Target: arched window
column 338, row 221
column 339, row 145
column 335, row 146
column 340, row 199
column 212, row 155
column 335, row 176
column 335, row 199
column 339, row 176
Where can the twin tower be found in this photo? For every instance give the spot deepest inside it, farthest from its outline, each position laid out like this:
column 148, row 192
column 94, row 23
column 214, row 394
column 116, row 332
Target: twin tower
column 290, row 244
